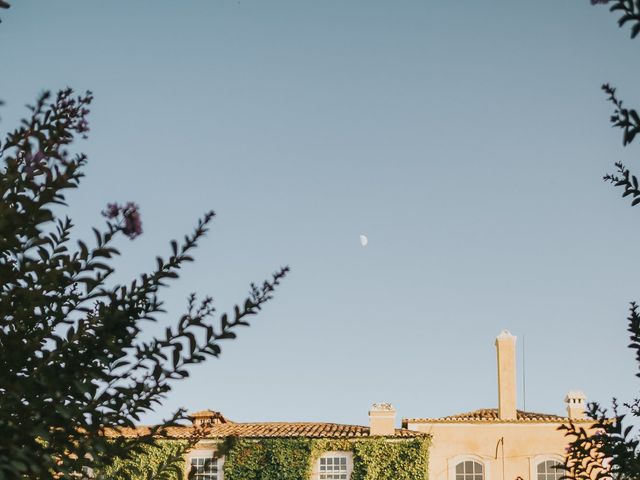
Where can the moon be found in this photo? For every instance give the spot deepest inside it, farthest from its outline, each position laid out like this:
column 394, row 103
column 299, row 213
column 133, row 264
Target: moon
column 364, row 240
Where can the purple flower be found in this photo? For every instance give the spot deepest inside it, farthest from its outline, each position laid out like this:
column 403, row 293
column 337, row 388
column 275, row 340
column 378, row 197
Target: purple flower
column 83, row 126
column 112, row 211
column 132, row 221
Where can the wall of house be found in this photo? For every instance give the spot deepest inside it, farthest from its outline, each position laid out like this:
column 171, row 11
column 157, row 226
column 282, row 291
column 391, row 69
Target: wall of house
column 366, row 458
column 523, row 446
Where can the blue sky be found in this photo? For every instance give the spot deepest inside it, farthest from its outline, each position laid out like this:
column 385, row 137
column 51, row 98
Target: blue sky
column 467, row 140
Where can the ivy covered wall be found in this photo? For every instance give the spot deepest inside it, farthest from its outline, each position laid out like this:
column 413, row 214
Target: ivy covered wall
column 289, row 459
column 294, row 459
column 163, row 461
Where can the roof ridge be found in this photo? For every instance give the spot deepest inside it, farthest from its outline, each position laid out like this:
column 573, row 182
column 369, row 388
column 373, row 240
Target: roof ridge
column 300, row 423
column 492, row 415
column 270, row 429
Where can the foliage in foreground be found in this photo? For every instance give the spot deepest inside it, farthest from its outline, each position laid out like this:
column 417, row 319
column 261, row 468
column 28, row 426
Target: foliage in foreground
column 73, row 365
column 610, row 449
column 629, row 10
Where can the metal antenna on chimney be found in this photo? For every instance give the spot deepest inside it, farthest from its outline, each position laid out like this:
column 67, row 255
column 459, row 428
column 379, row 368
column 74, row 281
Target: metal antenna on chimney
column 524, row 380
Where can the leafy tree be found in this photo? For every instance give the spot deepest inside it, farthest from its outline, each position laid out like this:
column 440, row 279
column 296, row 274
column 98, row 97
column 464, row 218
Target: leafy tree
column 611, row 448
column 630, row 10
column 73, row 365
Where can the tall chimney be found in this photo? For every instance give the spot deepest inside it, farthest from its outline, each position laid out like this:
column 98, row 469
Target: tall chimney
column 382, row 419
column 506, row 349
column 575, row 404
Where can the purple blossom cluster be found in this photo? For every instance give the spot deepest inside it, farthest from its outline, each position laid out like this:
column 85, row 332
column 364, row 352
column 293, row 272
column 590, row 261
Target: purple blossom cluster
column 112, row 211
column 129, row 215
column 74, row 111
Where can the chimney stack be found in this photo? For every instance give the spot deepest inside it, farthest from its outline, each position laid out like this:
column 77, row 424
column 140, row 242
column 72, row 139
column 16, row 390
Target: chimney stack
column 506, row 349
column 575, row 404
column 207, row 418
column 382, row 419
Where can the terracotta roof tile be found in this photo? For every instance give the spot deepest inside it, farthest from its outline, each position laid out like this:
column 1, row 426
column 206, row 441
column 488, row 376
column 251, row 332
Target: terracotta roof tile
column 265, row 430
column 491, row 415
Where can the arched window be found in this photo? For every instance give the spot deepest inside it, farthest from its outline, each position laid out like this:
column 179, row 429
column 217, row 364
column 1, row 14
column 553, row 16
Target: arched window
column 549, row 470
column 468, row 467
column 470, row 470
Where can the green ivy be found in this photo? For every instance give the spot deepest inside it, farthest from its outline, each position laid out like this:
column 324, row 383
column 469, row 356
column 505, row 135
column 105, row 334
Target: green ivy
column 162, row 461
column 374, row 458
column 379, row 459
column 294, row 459
column 272, row 459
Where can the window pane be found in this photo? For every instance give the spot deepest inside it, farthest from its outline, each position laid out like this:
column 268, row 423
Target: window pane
column 470, row 470
column 333, row 468
column 204, row 468
column 549, row 470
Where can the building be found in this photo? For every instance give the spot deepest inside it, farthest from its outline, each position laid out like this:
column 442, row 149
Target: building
column 228, row 450
column 499, row 443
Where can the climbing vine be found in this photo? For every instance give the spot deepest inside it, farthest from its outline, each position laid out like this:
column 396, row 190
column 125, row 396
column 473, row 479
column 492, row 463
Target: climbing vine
column 277, row 458
column 163, row 460
column 374, row 458
column 294, row 459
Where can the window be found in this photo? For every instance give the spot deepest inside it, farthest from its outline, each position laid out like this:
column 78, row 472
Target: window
column 204, row 468
column 548, row 470
column 470, row 470
column 468, row 467
column 334, row 466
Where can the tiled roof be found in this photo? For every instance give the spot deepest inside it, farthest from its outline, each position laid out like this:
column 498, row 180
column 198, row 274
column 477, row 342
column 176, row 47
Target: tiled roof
column 491, row 415
column 264, row 430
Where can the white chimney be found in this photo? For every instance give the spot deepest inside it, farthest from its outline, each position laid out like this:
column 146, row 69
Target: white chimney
column 575, row 401
column 382, row 419
column 506, row 349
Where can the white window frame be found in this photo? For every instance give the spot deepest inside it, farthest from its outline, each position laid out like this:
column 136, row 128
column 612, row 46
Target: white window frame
column 207, row 453
column 454, row 461
column 346, row 454
column 538, row 459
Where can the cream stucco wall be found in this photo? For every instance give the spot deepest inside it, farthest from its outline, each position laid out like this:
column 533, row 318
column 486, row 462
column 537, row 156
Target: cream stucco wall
column 524, row 445
column 509, row 444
